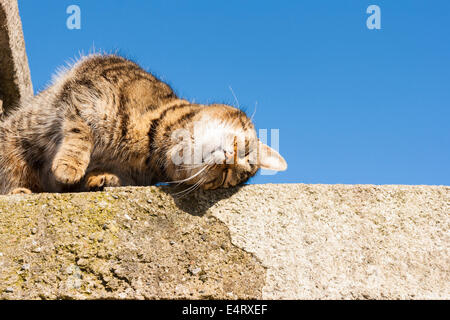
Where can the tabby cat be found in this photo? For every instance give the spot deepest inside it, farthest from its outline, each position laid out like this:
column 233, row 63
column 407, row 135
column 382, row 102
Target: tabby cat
column 107, row 122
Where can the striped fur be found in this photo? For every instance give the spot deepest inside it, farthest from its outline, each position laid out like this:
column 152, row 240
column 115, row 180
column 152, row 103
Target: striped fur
column 107, row 122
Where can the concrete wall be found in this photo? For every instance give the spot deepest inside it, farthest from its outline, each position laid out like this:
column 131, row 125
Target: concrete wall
column 15, row 80
column 261, row 241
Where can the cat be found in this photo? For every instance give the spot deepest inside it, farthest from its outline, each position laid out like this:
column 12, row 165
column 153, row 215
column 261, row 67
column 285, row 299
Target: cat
column 106, row 122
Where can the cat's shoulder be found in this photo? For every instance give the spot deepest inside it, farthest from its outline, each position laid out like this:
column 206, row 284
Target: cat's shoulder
column 96, row 64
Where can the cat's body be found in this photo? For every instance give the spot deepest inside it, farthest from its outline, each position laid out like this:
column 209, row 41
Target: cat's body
column 107, row 122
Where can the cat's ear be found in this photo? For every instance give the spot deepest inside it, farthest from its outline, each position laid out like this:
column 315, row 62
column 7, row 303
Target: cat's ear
column 270, row 159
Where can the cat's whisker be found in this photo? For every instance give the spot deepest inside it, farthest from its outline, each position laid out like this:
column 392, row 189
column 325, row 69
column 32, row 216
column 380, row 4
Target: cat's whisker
column 184, row 169
column 235, row 98
column 191, row 166
column 196, row 185
column 189, row 178
column 190, row 188
column 205, row 166
column 254, row 112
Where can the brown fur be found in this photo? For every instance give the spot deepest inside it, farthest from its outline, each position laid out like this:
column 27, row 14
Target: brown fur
column 107, row 122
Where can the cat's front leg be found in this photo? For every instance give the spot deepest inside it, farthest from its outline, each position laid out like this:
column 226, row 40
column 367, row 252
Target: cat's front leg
column 72, row 158
column 98, row 180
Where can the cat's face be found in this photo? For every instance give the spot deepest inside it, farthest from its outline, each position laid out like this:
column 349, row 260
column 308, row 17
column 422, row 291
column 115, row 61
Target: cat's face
column 219, row 148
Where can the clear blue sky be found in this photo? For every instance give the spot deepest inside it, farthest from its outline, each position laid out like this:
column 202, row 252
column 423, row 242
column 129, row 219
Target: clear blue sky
column 353, row 105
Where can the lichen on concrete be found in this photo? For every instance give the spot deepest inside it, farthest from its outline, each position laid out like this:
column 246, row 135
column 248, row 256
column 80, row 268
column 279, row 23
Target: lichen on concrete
column 123, row 244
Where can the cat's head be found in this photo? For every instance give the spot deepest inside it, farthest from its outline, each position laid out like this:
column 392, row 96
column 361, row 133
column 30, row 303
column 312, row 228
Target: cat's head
column 217, row 146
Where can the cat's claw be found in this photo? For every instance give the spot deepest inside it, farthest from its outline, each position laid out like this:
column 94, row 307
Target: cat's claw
column 66, row 173
column 95, row 182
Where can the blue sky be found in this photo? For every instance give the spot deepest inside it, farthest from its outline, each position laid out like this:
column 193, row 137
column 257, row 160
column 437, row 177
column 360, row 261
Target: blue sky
column 353, row 105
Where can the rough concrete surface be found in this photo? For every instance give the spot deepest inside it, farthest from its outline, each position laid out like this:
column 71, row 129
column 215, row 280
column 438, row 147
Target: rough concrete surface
column 260, row 241
column 345, row 241
column 118, row 244
column 15, row 80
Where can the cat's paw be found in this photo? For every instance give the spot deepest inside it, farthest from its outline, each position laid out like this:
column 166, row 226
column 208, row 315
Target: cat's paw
column 67, row 173
column 98, row 181
column 21, row 191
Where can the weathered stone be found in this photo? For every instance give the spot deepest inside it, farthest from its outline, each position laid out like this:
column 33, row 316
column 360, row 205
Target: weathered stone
column 15, row 80
column 93, row 245
column 260, row 241
column 345, row 241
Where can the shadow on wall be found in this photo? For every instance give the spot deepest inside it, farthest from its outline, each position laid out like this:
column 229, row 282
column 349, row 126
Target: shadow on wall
column 199, row 201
